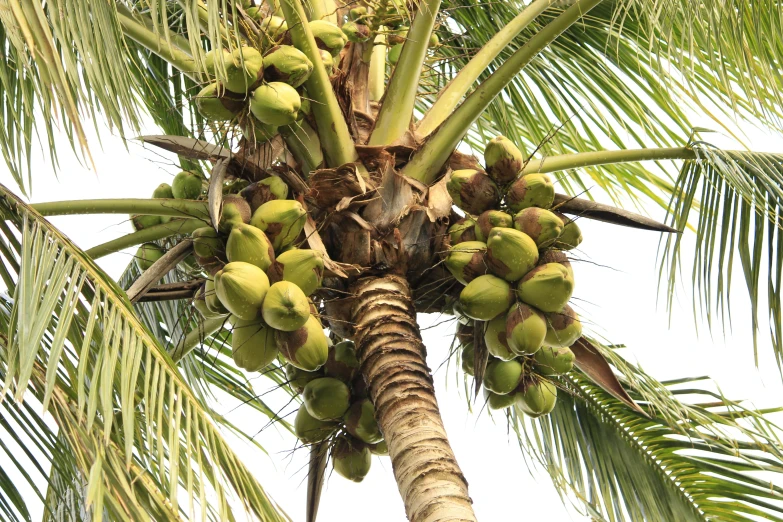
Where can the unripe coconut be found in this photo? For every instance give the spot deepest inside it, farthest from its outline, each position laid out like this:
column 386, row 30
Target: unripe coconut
column 490, row 219
column 495, row 401
column 503, row 160
column 214, row 107
column 273, row 29
column 380, row 449
column 298, row 379
column 510, row 253
column 311, row 430
column 216, row 58
column 538, row 398
column 241, row 288
column 326, row 398
column 163, row 191
column 342, row 362
column 466, row 261
column 328, row 60
column 211, row 299
column 360, row 422
column 486, row 297
column 394, row 54
column 462, row 230
column 254, row 12
column 502, row 377
column 495, row 339
column 351, row 460
column 141, row 221
column 328, row 37
column 398, row 36
column 356, row 32
column 265, row 190
column 248, row 244
column 531, row 190
column 275, row 103
column 466, row 333
column 434, row 40
column 357, row 12
column 253, row 344
column 525, row 329
column 553, row 361
column 468, row 359
column 306, row 348
column 207, row 242
column 288, row 64
column 304, row 268
column 473, row 191
column 543, row 226
column 244, row 70
column 282, row 220
column 256, row 132
column 186, row 185
column 200, row 303
column 147, row 254
column 563, row 328
column 547, row 287
column 571, row 236
column 234, row 211
column 285, row 307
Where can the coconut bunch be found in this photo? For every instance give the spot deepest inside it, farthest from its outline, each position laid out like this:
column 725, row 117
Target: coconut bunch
column 335, row 408
column 509, row 252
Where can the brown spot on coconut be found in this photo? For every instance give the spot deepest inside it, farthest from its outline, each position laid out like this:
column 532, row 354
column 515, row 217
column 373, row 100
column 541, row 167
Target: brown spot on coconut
column 342, row 362
column 503, row 160
column 543, row 226
column 256, row 194
column 510, row 253
column 473, row 191
column 489, row 220
column 531, row 190
column 466, row 261
column 563, row 328
column 462, row 230
column 306, row 348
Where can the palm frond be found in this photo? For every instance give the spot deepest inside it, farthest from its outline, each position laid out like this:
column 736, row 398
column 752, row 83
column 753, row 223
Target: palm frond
column 136, row 432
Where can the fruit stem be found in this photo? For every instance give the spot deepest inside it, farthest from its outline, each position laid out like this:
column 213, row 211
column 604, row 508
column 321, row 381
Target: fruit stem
column 322, row 10
column 604, row 157
column 303, row 142
column 449, row 97
column 196, row 336
column 154, row 233
column 396, row 112
column 377, row 76
column 338, row 148
column 429, row 160
column 155, row 207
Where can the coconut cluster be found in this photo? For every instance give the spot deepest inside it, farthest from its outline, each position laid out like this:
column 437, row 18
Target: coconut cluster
column 509, row 252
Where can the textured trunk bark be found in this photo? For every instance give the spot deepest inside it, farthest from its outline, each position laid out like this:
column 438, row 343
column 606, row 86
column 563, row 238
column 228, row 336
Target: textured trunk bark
column 392, row 358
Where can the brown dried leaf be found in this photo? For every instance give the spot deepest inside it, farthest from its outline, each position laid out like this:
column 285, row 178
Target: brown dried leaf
column 215, row 193
column 439, row 202
column 190, row 148
column 600, row 212
column 158, row 269
column 315, row 242
column 480, row 356
column 315, row 477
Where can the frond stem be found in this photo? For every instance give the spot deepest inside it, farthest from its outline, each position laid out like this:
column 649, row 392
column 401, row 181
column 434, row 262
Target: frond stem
column 172, row 228
column 604, row 157
column 196, row 336
column 155, row 207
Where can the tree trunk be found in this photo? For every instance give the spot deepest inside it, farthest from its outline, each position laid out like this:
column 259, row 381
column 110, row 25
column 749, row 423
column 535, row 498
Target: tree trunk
column 393, row 363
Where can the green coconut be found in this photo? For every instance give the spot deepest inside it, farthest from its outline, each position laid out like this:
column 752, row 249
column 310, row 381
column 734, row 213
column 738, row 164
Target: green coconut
column 273, row 29
column 285, row 307
column 356, row 32
column 186, row 185
column 466, row 261
column 288, row 64
column 200, row 303
column 310, row 430
column 214, row 106
column 547, row 287
column 256, row 132
column 234, row 211
column 248, row 244
column 265, row 190
column 342, row 362
column 211, row 299
column 244, row 70
column 328, row 37
column 502, row 377
column 147, row 254
column 503, row 160
column 473, row 191
column 571, row 236
column 216, row 58
column 207, row 243
column 525, row 329
column 326, row 398
column 306, row 348
column 357, row 13
column 531, row 190
column 496, row 401
column 350, row 459
column 282, row 220
column 468, row 359
column 486, row 297
column 328, row 61
column 304, row 268
column 298, row 379
column 163, row 191
column 394, row 53
column 241, row 288
column 495, row 339
column 360, row 422
column 381, row 449
column 463, row 230
column 563, row 328
column 553, row 361
column 275, row 103
column 141, row 221
column 543, row 226
column 510, row 253
column 253, row 345
column 489, row 220
column 538, row 398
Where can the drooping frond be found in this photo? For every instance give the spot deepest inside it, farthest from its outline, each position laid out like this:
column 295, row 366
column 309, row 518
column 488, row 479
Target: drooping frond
column 135, row 430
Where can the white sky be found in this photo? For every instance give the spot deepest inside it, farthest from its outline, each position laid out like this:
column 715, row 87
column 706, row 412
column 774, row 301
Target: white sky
column 616, row 292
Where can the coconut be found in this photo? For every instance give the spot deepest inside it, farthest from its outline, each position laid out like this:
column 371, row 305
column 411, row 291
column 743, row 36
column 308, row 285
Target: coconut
column 304, row 268
column 466, row 261
column 275, row 103
column 265, row 190
column 547, row 287
column 215, row 107
column 298, row 379
column 234, row 211
column 510, row 253
column 328, row 37
column 288, row 64
column 285, row 307
column 214, row 58
column 256, row 132
column 503, row 160
column 360, row 422
column 282, row 220
column 434, row 40
column 147, row 254
column 356, row 32
column 241, row 288
column 163, row 191
column 538, row 398
column 141, row 221
column 357, row 13
column 495, row 401
column 381, row 449
column 531, row 190
column 211, row 299
column 394, row 53
column 468, row 359
column 326, row 58
column 553, row 361
column 571, row 236
column 244, row 70
column 459, row 313
column 525, row 329
column 253, row 344
column 306, row 348
column 398, row 36
column 543, row 226
column 311, row 430
column 351, row 459
column 462, row 230
column 326, row 398
column 207, row 242
column 466, row 333
column 489, row 220
column 502, row 377
column 186, row 185
column 563, row 328
column 273, row 29
column 200, row 303
column 342, row 362
column 486, row 297
column 495, row 339
column 473, row 191
column 248, row 244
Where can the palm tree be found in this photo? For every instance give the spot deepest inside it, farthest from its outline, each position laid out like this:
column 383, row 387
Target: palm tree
column 124, row 370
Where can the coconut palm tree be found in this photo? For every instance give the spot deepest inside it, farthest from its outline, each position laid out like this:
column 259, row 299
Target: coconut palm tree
column 401, row 102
